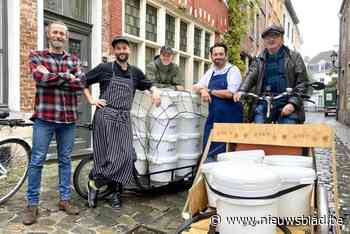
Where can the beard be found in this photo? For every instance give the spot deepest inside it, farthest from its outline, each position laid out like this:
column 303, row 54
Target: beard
column 122, row 57
column 56, row 44
column 219, row 62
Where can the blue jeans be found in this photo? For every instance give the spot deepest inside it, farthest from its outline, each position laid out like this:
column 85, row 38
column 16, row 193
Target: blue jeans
column 260, row 115
column 43, row 132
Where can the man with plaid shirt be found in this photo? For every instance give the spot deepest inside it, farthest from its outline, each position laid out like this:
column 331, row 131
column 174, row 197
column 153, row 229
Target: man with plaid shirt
column 58, row 81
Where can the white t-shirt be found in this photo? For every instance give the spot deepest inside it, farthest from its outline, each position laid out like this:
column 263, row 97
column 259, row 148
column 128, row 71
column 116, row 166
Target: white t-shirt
column 234, row 78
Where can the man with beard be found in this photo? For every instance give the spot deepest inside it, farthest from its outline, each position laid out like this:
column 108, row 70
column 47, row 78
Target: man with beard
column 58, row 79
column 114, row 154
column 163, row 71
column 217, row 87
column 274, row 70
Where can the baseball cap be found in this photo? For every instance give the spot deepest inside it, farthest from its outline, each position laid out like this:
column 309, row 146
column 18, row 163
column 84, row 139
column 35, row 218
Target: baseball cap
column 166, row 49
column 272, row 29
column 117, row 39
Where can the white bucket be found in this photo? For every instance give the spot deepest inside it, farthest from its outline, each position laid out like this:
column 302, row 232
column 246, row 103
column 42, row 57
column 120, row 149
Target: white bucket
column 185, row 160
column 297, row 203
column 289, row 161
column 139, row 121
column 246, row 181
column 254, row 156
column 163, row 146
column 189, row 144
column 188, row 123
column 162, row 120
column 207, row 170
column 140, row 143
column 188, row 102
column 141, row 164
column 160, row 164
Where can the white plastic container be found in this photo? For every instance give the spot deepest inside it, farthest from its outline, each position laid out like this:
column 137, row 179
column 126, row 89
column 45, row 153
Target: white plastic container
column 297, row 203
column 189, row 144
column 254, row 156
column 157, row 164
column 141, row 164
column 185, row 160
column 289, row 161
column 188, row 102
column 140, row 143
column 188, row 123
column 139, row 121
column 162, row 121
column 163, row 146
column 246, row 181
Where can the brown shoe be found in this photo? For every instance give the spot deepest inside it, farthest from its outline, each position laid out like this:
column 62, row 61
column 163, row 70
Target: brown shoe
column 67, row 207
column 30, row 215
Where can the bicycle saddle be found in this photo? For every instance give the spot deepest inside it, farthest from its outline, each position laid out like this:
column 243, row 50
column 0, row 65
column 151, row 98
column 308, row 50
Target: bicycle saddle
column 4, row 114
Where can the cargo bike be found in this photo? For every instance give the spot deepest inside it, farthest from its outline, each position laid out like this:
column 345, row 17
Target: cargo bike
column 237, row 194
column 167, row 143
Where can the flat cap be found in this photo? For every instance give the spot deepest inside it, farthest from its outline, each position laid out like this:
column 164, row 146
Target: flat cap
column 272, row 29
column 166, row 49
column 117, row 39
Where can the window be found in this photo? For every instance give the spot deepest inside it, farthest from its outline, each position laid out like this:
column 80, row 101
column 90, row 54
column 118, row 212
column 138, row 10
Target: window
column 150, row 53
column 288, row 30
column 132, row 17
column 207, row 45
column 195, row 72
column 292, row 35
column 206, row 67
column 151, row 23
column 284, row 21
column 183, row 36
column 3, row 55
column 183, row 70
column 133, row 53
column 170, row 31
column 76, row 9
column 257, row 28
column 197, row 41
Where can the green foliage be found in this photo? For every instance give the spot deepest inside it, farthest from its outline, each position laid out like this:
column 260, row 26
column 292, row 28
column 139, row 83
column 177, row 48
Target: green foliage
column 237, row 29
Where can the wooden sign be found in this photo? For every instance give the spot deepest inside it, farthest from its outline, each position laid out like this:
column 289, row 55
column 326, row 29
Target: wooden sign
column 300, row 135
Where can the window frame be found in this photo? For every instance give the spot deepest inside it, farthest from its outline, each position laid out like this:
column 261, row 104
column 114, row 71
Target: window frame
column 5, row 79
column 156, row 24
column 62, row 12
column 199, row 43
column 166, row 30
column 139, row 20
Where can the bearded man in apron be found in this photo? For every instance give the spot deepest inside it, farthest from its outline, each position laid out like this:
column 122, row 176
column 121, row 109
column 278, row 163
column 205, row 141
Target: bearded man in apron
column 114, row 154
column 217, row 87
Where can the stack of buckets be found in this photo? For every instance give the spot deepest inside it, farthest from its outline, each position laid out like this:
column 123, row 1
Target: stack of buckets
column 163, row 137
column 188, row 146
column 243, row 185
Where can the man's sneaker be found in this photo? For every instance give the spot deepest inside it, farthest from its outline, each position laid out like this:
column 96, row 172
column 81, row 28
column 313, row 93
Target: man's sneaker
column 92, row 196
column 30, row 215
column 116, row 201
column 67, row 207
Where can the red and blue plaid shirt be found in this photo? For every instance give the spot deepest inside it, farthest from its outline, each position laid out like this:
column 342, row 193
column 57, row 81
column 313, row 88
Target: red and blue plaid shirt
column 56, row 98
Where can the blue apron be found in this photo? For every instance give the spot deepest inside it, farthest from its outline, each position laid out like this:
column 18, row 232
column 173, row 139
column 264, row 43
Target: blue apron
column 220, row 111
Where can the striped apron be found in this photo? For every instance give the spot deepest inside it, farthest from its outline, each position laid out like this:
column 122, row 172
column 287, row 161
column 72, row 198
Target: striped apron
column 114, row 154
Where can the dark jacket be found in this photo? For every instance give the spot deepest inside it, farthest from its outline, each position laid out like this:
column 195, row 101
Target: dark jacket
column 295, row 73
column 163, row 76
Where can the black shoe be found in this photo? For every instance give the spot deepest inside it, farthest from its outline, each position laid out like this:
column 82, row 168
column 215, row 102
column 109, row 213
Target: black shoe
column 116, row 201
column 92, row 196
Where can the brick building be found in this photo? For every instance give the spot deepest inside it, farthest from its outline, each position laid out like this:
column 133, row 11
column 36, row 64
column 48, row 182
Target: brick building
column 344, row 64
column 189, row 26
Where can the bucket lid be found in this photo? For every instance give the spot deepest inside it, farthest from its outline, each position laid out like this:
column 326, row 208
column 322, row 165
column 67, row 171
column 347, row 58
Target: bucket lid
column 188, row 116
column 289, row 161
column 249, row 155
column 189, row 156
column 189, row 136
column 299, row 175
column 245, row 180
column 165, row 137
column 161, row 160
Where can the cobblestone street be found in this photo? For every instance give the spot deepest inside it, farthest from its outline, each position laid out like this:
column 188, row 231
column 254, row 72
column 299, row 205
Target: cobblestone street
column 156, row 213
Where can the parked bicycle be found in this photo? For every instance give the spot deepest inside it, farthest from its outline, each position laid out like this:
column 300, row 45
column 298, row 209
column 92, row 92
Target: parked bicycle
column 15, row 156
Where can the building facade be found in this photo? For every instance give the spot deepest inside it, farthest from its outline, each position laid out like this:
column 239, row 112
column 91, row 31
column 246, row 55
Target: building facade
column 344, row 64
column 189, row 26
column 292, row 37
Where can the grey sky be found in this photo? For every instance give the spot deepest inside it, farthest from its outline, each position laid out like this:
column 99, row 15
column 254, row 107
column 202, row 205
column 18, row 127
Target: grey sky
column 319, row 24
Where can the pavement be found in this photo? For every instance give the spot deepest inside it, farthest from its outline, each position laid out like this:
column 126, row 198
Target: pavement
column 154, row 213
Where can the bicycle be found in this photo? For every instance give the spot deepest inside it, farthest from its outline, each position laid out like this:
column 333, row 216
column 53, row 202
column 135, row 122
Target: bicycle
column 270, row 99
column 15, row 154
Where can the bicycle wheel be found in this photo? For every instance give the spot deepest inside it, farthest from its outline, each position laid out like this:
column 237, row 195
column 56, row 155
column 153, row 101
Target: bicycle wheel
column 14, row 161
column 81, row 178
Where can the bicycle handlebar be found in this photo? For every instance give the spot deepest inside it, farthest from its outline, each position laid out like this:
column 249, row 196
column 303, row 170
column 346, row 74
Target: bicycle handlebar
column 14, row 123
